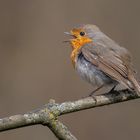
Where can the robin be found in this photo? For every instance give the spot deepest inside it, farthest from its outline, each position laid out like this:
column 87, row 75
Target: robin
column 101, row 61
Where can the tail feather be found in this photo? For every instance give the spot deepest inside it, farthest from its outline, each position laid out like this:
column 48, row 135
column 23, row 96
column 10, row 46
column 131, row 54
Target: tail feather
column 136, row 85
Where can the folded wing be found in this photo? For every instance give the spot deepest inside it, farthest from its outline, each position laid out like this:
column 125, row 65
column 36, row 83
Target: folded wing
column 115, row 63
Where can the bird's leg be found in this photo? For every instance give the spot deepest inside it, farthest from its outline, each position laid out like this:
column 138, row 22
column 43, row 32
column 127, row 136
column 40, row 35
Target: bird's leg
column 112, row 89
column 91, row 94
column 94, row 96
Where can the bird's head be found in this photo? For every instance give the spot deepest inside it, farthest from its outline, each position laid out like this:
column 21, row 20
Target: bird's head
column 82, row 34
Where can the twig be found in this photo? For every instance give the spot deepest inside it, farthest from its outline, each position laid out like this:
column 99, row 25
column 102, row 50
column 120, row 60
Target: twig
column 47, row 115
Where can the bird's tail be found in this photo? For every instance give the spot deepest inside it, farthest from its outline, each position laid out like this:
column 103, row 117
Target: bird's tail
column 136, row 85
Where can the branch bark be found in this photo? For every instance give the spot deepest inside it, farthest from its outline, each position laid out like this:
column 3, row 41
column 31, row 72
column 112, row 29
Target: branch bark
column 48, row 114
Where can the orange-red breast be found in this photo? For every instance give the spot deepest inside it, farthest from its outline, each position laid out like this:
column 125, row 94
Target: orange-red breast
column 101, row 61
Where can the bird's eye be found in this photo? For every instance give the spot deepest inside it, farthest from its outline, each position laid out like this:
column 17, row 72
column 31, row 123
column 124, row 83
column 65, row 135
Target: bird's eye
column 82, row 33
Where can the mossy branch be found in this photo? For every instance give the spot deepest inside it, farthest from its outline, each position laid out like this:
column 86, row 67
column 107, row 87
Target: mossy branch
column 48, row 114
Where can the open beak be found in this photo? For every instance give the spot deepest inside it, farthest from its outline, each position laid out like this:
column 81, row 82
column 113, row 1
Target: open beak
column 69, row 34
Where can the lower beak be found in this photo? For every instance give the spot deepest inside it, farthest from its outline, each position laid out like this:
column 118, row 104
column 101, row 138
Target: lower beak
column 66, row 41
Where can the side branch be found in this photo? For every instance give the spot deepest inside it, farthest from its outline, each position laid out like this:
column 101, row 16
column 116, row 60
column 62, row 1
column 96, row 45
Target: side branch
column 47, row 115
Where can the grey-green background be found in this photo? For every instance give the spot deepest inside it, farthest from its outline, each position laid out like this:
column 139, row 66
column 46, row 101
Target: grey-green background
column 35, row 64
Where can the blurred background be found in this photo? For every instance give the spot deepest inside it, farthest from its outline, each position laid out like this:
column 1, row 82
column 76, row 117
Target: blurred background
column 35, row 65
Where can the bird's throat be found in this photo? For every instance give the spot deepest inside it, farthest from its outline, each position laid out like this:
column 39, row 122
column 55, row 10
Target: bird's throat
column 76, row 44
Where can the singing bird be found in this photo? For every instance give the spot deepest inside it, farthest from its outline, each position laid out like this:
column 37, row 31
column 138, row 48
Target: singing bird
column 101, row 61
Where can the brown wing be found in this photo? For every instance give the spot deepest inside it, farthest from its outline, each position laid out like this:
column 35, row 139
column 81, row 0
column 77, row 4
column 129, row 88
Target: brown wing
column 113, row 63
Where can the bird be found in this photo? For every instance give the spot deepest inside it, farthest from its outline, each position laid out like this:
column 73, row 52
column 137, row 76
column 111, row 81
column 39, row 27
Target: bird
column 101, row 61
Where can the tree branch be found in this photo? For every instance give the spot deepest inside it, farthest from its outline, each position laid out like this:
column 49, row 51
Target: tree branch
column 47, row 115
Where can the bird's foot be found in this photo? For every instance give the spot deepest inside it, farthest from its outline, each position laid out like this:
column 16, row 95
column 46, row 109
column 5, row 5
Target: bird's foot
column 94, row 97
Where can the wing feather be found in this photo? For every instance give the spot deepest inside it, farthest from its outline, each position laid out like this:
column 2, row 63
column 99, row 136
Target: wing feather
column 108, row 61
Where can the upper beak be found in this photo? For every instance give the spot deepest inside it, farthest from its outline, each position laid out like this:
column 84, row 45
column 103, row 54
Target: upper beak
column 67, row 33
